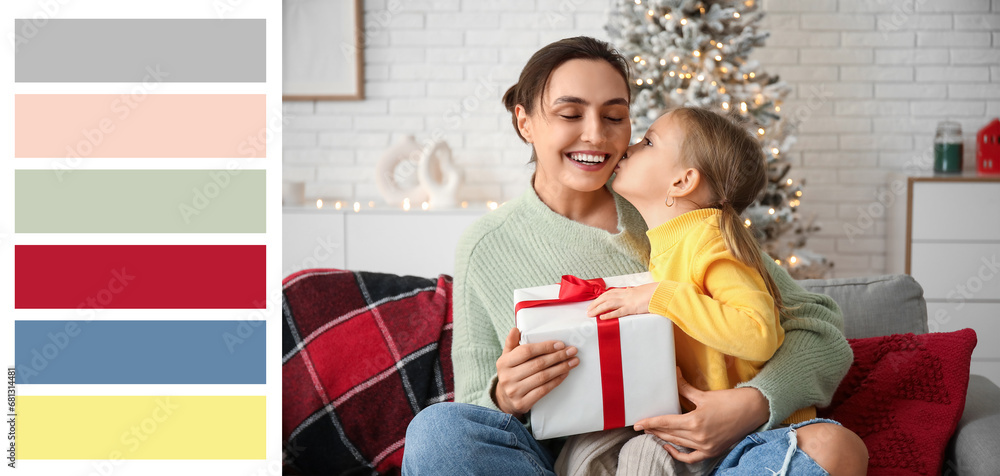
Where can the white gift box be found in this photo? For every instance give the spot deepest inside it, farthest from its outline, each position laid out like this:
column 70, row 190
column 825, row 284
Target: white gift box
column 647, row 374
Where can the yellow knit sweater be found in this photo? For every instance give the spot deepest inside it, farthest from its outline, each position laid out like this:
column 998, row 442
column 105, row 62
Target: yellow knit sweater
column 727, row 326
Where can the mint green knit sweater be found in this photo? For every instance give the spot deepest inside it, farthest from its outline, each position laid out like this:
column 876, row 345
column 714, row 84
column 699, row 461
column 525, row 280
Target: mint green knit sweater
column 524, row 243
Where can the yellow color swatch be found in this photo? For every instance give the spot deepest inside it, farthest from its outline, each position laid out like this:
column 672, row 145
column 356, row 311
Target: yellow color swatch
column 141, row 427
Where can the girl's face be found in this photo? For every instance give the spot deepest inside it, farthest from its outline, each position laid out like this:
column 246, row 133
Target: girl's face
column 650, row 167
column 580, row 127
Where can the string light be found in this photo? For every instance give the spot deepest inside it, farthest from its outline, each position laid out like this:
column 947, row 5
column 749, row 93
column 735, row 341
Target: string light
column 492, row 205
column 752, row 74
column 718, row 58
column 636, row 59
column 425, row 205
column 406, row 204
column 724, row 69
column 770, row 211
column 650, row 13
column 667, row 16
column 713, row 83
column 760, row 130
column 777, row 108
column 357, row 207
column 778, row 261
column 684, row 21
column 465, row 204
column 719, row 45
column 696, row 53
column 798, row 193
column 701, row 77
column 338, row 205
column 649, row 81
column 789, row 181
column 725, row 106
column 663, row 62
column 643, row 62
column 747, row 223
column 722, row 90
column 319, row 203
column 638, row 2
column 793, row 260
column 638, row 82
column 671, row 74
column 736, row 15
column 775, row 151
column 676, row 59
column 743, row 107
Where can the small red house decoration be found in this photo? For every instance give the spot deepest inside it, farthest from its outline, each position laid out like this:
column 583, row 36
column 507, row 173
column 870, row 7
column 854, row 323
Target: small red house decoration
column 988, row 148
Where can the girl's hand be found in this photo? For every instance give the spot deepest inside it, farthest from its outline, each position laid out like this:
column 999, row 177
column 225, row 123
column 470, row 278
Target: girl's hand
column 526, row 373
column 722, row 418
column 616, row 303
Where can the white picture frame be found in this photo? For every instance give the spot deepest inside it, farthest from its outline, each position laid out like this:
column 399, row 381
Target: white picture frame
column 323, row 50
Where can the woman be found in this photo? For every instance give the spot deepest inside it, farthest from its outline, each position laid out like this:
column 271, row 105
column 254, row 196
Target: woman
column 571, row 103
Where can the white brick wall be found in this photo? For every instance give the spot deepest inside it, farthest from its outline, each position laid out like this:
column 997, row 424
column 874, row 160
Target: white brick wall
column 871, row 79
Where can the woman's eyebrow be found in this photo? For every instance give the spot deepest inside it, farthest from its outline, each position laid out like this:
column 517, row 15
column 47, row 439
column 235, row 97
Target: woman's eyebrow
column 584, row 102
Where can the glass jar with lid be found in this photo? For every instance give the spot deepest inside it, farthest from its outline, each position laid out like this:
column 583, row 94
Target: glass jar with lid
column 948, row 147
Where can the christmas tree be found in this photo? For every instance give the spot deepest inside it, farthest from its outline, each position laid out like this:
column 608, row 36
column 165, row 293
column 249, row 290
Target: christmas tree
column 696, row 53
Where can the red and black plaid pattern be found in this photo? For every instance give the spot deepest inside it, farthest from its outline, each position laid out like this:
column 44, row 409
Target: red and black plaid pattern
column 362, row 353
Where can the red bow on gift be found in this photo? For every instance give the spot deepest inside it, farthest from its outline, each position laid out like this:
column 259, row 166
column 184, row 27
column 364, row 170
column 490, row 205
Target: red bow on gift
column 573, row 289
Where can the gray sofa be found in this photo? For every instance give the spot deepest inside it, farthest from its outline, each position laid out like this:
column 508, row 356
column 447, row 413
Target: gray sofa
column 883, row 305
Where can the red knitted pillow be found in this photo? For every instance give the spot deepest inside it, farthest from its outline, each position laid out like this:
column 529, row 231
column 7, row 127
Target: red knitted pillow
column 904, row 395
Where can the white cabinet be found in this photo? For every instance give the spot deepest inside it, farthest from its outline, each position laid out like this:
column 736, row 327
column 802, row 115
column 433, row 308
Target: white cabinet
column 419, row 243
column 945, row 233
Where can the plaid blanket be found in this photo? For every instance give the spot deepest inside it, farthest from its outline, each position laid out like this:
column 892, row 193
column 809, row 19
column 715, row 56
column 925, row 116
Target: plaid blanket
column 362, row 353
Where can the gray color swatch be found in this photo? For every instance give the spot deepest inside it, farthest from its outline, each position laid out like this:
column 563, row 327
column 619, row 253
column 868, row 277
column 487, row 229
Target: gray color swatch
column 140, row 50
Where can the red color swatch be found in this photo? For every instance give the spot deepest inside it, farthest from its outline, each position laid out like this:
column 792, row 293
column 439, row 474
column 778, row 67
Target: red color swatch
column 139, row 277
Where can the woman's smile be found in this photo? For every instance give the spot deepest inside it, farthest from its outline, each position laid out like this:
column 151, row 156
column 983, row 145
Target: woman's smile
column 588, row 160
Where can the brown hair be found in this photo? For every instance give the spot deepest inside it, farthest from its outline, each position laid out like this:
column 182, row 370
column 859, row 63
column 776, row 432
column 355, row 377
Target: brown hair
column 535, row 75
column 732, row 163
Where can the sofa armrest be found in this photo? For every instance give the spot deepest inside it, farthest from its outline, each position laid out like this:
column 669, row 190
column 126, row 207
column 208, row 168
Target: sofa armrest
column 973, row 447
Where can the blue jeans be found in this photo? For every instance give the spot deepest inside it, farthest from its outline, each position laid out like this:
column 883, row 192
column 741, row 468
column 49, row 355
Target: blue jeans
column 775, row 451
column 458, row 438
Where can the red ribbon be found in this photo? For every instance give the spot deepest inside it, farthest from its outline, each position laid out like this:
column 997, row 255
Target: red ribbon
column 574, row 289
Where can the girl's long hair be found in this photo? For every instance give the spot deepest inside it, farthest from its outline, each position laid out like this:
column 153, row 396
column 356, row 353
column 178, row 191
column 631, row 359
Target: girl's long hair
column 732, row 164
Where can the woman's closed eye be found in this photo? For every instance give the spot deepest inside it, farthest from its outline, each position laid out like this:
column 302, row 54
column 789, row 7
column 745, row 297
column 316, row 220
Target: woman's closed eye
column 610, row 118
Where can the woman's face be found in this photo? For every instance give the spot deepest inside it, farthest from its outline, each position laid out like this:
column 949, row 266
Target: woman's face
column 650, row 166
column 580, row 127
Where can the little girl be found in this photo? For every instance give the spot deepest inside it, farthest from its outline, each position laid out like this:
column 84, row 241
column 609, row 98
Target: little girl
column 690, row 177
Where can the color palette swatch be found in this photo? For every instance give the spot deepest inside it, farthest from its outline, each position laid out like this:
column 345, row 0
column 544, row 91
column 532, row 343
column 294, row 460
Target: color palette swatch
column 120, row 50
column 140, row 352
column 148, row 126
column 141, row 427
column 142, row 157
column 139, row 201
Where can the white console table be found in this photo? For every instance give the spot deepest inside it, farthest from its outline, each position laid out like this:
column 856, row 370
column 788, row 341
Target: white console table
column 944, row 230
column 414, row 242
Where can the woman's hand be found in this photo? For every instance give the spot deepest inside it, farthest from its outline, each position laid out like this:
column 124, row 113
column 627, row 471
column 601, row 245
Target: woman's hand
column 526, row 373
column 615, row 303
column 721, row 419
